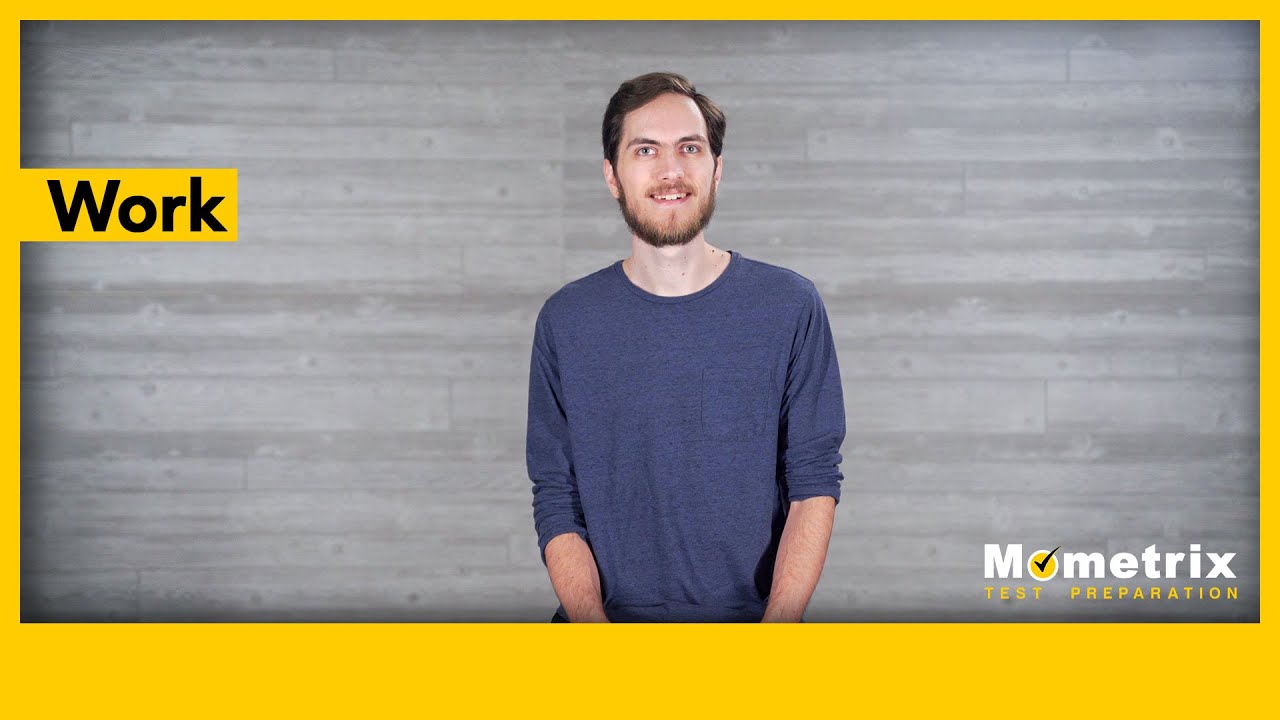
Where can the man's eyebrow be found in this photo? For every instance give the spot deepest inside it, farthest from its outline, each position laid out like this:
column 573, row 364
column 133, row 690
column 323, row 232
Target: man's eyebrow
column 650, row 141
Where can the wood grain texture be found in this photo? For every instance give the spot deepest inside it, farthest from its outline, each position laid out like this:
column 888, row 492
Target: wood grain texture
column 1037, row 244
column 239, row 404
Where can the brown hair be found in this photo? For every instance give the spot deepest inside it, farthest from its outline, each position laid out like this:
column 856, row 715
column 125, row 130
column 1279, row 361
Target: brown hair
column 639, row 91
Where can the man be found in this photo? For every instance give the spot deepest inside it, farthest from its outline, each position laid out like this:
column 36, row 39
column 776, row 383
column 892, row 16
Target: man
column 685, row 407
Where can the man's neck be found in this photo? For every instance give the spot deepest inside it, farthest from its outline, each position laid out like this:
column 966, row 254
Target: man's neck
column 674, row 271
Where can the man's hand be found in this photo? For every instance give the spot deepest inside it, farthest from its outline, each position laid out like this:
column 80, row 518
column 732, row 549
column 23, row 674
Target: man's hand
column 575, row 578
column 801, row 554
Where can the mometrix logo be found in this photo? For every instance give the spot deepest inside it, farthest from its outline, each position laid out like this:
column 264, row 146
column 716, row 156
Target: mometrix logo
column 1044, row 564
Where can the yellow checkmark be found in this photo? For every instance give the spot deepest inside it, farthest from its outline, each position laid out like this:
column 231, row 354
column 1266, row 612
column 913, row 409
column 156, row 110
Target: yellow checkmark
column 1043, row 564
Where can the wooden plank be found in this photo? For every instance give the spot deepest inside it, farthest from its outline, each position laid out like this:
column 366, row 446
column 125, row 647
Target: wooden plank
column 942, row 405
column 1044, row 514
column 709, row 37
column 523, row 552
column 82, row 596
column 329, row 552
column 1001, row 319
column 512, row 268
column 237, row 404
column 927, row 142
column 489, row 402
column 358, row 446
column 847, row 65
column 904, row 65
column 1224, row 477
column 860, row 364
column 456, row 187
column 269, row 227
column 138, row 59
column 37, row 359
column 356, row 264
column 163, row 140
column 1177, row 406
column 352, row 595
column 1187, row 298
column 1008, row 331
column 1217, row 362
column 1164, row 63
column 784, row 38
column 1054, row 108
column 449, row 478
column 1222, row 187
column 39, row 138
column 339, row 512
column 248, row 33
column 76, row 474
column 1232, row 263
column 463, row 66
column 1069, row 447
column 810, row 36
column 1224, row 34
column 823, row 190
column 531, row 37
column 802, row 37
column 842, row 270
column 61, row 101
column 233, row 312
column 343, row 358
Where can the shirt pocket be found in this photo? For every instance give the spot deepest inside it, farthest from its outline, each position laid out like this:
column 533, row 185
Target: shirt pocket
column 735, row 402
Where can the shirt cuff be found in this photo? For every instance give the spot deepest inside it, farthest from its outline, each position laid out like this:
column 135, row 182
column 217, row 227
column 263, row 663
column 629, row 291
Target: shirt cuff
column 804, row 488
column 552, row 534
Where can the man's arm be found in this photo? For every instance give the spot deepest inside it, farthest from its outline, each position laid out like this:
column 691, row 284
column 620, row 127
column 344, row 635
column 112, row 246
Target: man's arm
column 575, row 578
column 557, row 508
column 801, row 554
column 812, row 431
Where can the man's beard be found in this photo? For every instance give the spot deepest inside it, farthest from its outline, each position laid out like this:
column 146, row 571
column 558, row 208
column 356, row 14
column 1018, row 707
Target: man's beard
column 667, row 235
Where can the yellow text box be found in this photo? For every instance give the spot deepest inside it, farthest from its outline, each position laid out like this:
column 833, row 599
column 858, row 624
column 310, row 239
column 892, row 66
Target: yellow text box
column 127, row 204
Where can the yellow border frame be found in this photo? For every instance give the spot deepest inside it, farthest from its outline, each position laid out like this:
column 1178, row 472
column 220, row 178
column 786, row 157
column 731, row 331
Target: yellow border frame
column 643, row 671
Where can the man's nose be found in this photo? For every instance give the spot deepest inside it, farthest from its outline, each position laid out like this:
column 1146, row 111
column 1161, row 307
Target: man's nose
column 672, row 168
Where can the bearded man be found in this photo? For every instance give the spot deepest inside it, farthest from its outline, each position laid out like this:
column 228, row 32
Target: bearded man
column 685, row 407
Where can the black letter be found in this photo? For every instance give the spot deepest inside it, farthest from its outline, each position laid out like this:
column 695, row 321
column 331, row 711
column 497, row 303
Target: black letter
column 148, row 213
column 203, row 212
column 98, row 216
column 171, row 204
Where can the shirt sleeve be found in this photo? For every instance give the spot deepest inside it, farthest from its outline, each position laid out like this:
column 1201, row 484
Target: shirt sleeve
column 812, row 425
column 556, row 505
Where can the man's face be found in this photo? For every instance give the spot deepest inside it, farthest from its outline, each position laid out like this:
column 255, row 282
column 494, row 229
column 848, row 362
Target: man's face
column 666, row 177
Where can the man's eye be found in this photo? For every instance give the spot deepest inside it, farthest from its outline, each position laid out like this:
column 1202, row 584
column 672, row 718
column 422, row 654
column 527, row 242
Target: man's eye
column 642, row 150
column 695, row 147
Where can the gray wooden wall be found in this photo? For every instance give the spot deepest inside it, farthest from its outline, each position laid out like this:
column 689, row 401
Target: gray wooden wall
column 1038, row 244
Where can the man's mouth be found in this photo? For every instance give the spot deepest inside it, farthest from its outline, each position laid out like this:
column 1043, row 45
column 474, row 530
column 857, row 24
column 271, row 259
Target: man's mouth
column 669, row 198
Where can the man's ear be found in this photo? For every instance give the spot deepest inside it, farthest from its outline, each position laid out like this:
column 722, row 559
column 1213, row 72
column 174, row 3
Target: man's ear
column 715, row 181
column 610, row 179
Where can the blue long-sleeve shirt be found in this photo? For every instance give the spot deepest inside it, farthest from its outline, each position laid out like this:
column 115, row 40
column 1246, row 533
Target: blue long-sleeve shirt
column 671, row 433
